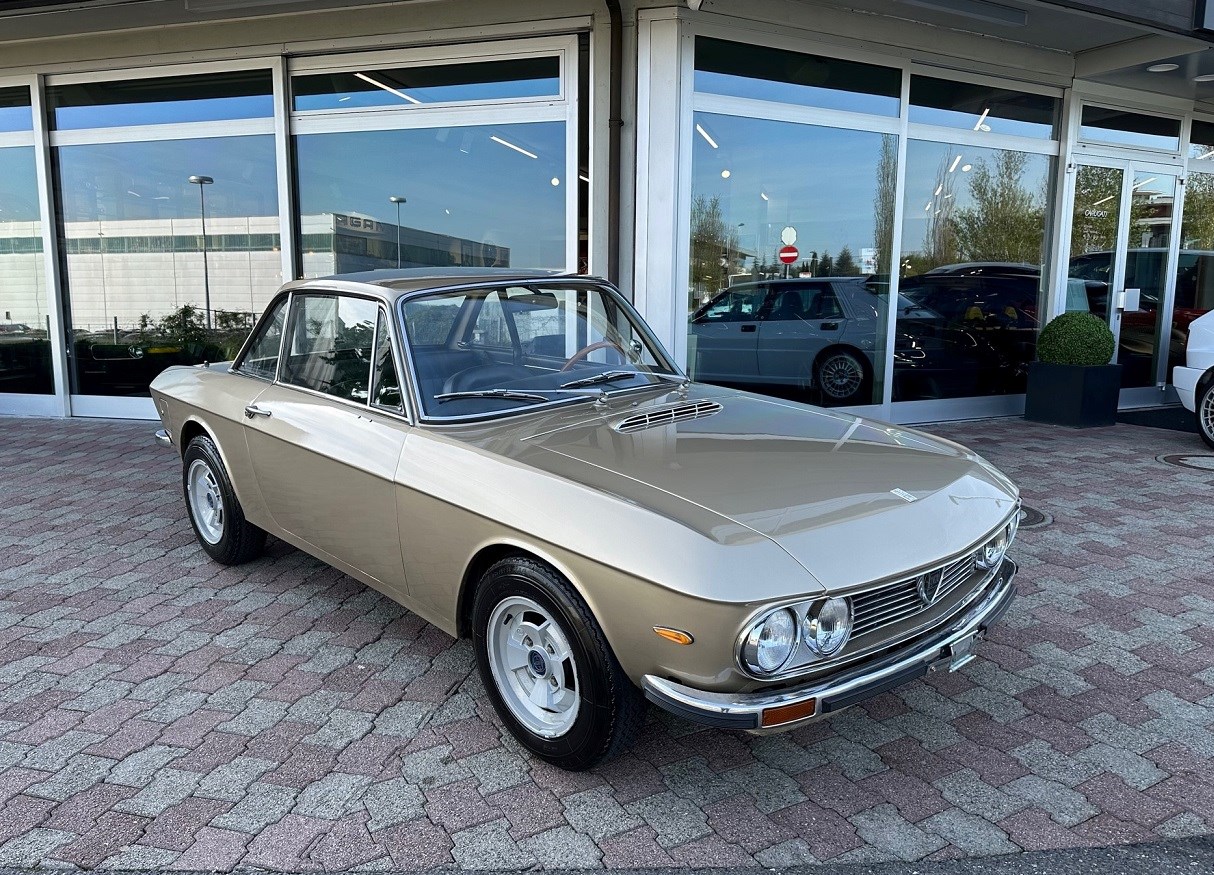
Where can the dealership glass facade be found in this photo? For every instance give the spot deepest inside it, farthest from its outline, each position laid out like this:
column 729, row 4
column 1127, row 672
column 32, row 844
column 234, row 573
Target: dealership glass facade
column 849, row 228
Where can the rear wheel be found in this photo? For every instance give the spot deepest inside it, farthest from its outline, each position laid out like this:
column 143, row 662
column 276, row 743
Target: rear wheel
column 215, row 513
column 1205, row 415
column 548, row 669
column 841, row 376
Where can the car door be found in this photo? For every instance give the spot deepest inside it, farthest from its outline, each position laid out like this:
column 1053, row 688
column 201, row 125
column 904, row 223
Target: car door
column 804, row 318
column 725, row 335
column 326, row 438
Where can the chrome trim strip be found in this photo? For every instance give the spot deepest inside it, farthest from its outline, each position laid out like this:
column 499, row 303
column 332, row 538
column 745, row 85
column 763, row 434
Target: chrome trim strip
column 713, row 707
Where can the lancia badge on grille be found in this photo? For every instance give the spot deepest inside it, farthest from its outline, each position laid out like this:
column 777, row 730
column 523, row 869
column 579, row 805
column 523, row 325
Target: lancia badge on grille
column 928, row 586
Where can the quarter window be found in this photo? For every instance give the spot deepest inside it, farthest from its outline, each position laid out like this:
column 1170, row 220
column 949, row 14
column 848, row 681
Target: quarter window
column 329, row 345
column 386, row 393
column 262, row 358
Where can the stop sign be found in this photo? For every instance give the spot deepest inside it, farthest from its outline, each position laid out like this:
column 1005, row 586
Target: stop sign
column 788, row 254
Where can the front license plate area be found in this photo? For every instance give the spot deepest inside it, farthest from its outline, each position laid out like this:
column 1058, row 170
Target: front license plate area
column 961, row 652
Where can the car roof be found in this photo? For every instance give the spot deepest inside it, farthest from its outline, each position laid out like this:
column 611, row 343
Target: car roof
column 397, row 282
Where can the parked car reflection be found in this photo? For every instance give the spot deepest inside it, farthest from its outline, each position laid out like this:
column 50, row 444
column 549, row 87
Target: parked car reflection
column 823, row 337
column 25, row 359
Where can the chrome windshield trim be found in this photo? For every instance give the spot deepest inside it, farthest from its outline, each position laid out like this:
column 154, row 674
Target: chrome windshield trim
column 561, row 280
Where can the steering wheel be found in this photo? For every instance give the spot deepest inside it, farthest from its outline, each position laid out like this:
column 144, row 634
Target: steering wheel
column 589, row 348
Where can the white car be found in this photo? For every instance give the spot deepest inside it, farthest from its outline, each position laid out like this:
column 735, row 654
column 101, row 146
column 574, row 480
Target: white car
column 1195, row 380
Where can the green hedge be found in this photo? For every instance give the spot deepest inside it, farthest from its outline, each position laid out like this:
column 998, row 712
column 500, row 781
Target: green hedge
column 1075, row 339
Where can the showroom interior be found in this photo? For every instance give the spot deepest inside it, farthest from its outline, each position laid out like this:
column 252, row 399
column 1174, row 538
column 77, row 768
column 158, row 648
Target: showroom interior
column 868, row 205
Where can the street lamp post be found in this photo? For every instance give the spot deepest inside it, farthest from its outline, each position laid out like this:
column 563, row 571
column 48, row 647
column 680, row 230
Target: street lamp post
column 398, row 200
column 202, row 181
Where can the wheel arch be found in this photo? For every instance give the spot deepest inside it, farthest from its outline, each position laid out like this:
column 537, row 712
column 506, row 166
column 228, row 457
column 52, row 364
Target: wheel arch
column 865, row 362
column 1203, row 382
column 484, row 558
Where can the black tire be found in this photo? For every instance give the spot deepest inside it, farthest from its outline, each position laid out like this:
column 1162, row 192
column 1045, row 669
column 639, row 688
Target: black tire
column 611, row 710
column 829, row 390
column 240, row 541
column 1205, row 415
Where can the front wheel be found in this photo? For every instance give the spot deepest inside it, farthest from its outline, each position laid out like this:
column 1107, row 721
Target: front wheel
column 1205, row 415
column 215, row 513
column 548, row 669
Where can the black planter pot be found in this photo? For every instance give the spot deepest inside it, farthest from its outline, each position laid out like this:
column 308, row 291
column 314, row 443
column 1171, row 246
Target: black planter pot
column 1081, row 396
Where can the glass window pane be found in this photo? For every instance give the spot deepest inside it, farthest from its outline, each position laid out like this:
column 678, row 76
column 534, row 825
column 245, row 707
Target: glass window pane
column 1152, row 200
column 1201, row 141
column 15, row 112
column 743, row 70
column 1094, row 221
column 756, row 185
column 172, row 100
column 973, row 241
column 982, row 108
column 261, row 360
column 405, row 87
column 386, row 392
column 482, row 196
column 329, row 345
column 146, row 288
column 1195, row 275
column 1123, row 128
column 25, row 348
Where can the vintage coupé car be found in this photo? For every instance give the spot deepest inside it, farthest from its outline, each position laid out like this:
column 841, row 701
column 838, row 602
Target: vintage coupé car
column 514, row 457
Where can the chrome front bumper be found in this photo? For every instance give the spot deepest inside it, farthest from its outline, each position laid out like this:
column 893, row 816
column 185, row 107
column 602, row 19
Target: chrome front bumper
column 948, row 648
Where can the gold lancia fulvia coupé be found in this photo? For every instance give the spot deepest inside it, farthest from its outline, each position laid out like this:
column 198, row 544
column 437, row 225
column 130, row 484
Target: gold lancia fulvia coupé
column 514, row 457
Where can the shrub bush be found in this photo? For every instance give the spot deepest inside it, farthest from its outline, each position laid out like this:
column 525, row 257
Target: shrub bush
column 1075, row 339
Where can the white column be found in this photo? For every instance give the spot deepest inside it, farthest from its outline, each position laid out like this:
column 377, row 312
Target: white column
column 665, row 53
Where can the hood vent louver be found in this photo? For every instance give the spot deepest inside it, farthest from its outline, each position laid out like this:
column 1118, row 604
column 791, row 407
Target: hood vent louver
column 667, row 415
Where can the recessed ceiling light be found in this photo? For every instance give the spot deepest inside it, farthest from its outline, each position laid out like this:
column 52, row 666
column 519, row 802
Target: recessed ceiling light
column 1163, row 68
column 725, row 174
column 1204, row 77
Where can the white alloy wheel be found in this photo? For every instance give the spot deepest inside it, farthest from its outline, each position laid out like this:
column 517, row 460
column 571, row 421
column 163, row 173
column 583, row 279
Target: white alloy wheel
column 533, row 666
column 206, row 501
column 1205, row 415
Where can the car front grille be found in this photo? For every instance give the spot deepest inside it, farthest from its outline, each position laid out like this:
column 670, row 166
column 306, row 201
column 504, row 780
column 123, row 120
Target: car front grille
column 667, row 415
column 886, row 605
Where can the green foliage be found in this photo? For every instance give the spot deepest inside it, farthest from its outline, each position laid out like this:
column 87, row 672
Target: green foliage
column 1075, row 339
column 184, row 325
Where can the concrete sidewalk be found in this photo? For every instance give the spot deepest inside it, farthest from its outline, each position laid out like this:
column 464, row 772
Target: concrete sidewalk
column 160, row 711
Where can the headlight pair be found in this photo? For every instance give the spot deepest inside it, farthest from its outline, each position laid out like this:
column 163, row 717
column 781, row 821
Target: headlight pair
column 823, row 626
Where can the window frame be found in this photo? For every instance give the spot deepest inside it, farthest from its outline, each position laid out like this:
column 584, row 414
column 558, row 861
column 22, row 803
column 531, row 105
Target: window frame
column 247, row 346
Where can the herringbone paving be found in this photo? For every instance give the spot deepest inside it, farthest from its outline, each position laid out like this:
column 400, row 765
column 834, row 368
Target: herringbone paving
column 160, row 711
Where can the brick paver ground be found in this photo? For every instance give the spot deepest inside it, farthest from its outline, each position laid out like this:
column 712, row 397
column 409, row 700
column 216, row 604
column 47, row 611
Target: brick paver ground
column 160, row 711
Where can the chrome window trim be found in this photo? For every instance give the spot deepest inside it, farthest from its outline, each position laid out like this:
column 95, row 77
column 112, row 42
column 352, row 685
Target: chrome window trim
column 564, row 280
column 386, row 315
column 841, row 660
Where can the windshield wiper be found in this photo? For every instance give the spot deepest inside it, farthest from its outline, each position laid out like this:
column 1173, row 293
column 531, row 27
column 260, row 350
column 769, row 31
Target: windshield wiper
column 509, row 394
column 604, row 377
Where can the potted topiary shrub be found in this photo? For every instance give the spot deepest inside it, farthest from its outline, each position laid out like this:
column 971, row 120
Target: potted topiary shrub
column 1072, row 382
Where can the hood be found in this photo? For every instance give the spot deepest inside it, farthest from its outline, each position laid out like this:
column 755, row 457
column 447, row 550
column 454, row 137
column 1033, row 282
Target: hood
column 851, row 499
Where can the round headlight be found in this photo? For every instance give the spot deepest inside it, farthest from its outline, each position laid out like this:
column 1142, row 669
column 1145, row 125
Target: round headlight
column 828, row 625
column 771, row 642
column 992, row 551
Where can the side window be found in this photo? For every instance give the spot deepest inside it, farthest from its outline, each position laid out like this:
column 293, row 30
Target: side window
column 826, row 305
column 385, row 384
column 735, row 305
column 261, row 360
column 329, row 342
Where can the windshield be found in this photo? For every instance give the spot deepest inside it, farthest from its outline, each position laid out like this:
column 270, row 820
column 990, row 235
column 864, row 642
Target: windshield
column 499, row 350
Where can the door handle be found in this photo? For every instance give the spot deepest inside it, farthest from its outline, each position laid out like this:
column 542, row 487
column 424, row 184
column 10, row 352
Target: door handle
column 746, row 328
column 253, row 410
column 829, row 326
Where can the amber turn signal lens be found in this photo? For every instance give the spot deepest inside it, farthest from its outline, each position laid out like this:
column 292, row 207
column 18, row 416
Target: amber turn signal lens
column 678, row 636
column 788, row 713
